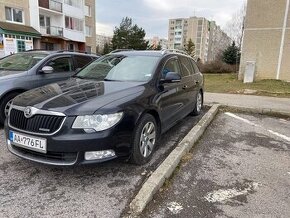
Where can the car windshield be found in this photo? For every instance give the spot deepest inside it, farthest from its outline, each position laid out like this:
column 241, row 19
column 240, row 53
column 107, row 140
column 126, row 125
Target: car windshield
column 120, row 68
column 21, row 62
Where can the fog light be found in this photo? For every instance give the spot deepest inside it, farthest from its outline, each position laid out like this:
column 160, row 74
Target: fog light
column 97, row 155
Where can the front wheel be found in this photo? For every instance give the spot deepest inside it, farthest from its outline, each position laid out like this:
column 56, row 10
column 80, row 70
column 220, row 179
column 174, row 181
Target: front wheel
column 144, row 140
column 198, row 104
column 5, row 105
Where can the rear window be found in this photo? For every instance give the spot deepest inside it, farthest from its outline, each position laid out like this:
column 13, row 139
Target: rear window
column 81, row 60
column 186, row 66
column 195, row 67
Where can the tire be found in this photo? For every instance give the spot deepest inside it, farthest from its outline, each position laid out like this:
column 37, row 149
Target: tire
column 141, row 149
column 198, row 104
column 4, row 104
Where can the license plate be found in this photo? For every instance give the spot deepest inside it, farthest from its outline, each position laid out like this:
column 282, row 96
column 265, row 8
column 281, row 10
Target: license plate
column 29, row 142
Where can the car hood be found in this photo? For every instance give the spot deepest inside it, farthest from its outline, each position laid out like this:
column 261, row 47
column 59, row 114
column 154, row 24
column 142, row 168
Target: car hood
column 77, row 96
column 9, row 74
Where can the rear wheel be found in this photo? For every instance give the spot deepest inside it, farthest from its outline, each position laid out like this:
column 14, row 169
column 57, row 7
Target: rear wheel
column 5, row 105
column 144, row 140
column 198, row 104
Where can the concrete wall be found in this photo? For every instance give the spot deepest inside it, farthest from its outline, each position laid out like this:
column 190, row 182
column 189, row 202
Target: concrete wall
column 263, row 39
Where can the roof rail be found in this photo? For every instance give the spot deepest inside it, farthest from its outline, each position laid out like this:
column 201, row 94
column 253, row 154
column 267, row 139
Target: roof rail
column 82, row 52
column 164, row 51
column 59, row 51
column 35, row 50
column 119, row 50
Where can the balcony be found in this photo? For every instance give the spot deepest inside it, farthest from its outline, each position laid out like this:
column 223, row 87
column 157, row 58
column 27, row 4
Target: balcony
column 51, row 30
column 51, row 5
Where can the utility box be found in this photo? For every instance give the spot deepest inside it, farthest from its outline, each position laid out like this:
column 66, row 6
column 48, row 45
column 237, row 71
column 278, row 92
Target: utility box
column 249, row 72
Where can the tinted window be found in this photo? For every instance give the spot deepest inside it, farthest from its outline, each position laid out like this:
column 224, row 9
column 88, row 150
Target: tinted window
column 170, row 66
column 121, row 68
column 82, row 60
column 186, row 66
column 61, row 64
column 22, row 62
column 196, row 70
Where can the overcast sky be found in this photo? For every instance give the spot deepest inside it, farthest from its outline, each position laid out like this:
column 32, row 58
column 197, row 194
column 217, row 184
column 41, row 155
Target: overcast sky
column 153, row 15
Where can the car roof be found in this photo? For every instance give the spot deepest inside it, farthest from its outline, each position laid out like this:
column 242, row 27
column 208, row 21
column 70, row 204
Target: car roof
column 156, row 53
column 57, row 52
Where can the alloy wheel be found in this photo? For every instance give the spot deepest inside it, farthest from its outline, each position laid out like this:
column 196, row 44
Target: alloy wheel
column 198, row 102
column 147, row 139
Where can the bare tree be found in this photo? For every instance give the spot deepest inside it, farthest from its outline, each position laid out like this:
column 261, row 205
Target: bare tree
column 235, row 27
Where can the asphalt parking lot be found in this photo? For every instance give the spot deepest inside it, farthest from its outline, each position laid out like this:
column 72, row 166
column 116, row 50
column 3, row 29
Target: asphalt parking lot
column 239, row 168
column 28, row 189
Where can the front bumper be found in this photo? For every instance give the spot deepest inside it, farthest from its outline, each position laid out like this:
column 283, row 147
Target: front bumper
column 68, row 146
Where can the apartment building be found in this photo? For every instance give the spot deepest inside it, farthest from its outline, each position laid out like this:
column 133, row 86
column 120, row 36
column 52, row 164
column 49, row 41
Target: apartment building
column 16, row 33
column 201, row 31
column 90, row 25
column 156, row 41
column 64, row 24
column 218, row 42
column 47, row 24
column 101, row 40
column 266, row 41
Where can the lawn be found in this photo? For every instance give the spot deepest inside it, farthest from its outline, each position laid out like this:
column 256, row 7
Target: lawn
column 228, row 83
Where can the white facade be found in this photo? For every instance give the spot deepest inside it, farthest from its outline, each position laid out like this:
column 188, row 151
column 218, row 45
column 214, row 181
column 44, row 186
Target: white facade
column 62, row 19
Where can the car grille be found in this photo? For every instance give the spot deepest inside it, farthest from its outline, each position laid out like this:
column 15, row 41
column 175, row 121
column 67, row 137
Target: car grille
column 46, row 124
column 49, row 157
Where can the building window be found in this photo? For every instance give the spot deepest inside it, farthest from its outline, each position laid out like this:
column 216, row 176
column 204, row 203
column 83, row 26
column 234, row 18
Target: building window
column 74, row 3
column 87, row 10
column 14, row 15
column 88, row 31
column 73, row 23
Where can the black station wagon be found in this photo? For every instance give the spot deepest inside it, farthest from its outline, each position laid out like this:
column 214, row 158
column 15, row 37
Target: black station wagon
column 117, row 106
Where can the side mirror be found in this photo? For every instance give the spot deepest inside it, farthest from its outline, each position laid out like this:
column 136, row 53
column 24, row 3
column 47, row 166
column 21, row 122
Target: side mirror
column 171, row 77
column 47, row 69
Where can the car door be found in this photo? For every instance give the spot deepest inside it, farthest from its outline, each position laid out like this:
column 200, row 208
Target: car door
column 63, row 69
column 172, row 96
column 189, row 82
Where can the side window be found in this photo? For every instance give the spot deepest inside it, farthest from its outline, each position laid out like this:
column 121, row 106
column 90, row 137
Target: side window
column 186, row 66
column 170, row 66
column 81, row 60
column 195, row 67
column 63, row 64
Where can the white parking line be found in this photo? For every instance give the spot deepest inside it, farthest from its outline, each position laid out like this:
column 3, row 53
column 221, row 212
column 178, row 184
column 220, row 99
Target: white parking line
column 256, row 125
column 279, row 135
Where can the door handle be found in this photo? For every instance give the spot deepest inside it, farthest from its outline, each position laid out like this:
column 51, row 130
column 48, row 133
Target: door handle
column 184, row 87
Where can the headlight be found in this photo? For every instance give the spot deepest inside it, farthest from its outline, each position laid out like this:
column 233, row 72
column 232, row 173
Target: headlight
column 97, row 122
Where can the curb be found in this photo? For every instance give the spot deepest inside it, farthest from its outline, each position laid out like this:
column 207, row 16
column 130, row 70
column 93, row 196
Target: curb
column 263, row 111
column 167, row 167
